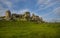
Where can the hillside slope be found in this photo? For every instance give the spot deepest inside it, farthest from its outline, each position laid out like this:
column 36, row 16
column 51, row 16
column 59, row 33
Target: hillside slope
column 21, row 29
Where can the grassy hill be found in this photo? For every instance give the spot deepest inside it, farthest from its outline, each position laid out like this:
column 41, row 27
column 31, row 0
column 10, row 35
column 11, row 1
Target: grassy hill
column 23, row 29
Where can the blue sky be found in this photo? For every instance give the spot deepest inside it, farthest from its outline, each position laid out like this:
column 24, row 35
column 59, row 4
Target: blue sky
column 49, row 10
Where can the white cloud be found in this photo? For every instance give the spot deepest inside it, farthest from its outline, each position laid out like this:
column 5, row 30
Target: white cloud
column 10, row 3
column 52, row 19
column 55, row 20
column 57, row 11
column 46, row 4
column 43, row 1
column 46, row 1
column 16, row 0
column 20, row 11
column 1, row 7
column 2, row 10
column 7, row 3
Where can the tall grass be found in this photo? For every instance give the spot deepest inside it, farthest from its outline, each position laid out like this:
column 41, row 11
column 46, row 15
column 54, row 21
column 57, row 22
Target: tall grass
column 24, row 29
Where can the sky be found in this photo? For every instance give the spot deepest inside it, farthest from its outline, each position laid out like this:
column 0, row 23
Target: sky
column 49, row 10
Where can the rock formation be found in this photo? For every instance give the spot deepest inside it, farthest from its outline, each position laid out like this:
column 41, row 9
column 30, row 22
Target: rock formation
column 26, row 17
column 8, row 15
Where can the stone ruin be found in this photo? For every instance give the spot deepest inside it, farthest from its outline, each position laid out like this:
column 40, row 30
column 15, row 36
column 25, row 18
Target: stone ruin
column 8, row 15
column 24, row 17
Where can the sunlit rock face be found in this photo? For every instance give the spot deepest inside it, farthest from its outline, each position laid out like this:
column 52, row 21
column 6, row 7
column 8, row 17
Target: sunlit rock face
column 24, row 17
column 8, row 15
column 36, row 18
column 27, row 16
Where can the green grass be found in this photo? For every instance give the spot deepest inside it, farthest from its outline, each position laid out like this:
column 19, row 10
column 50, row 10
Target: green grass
column 20, row 29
